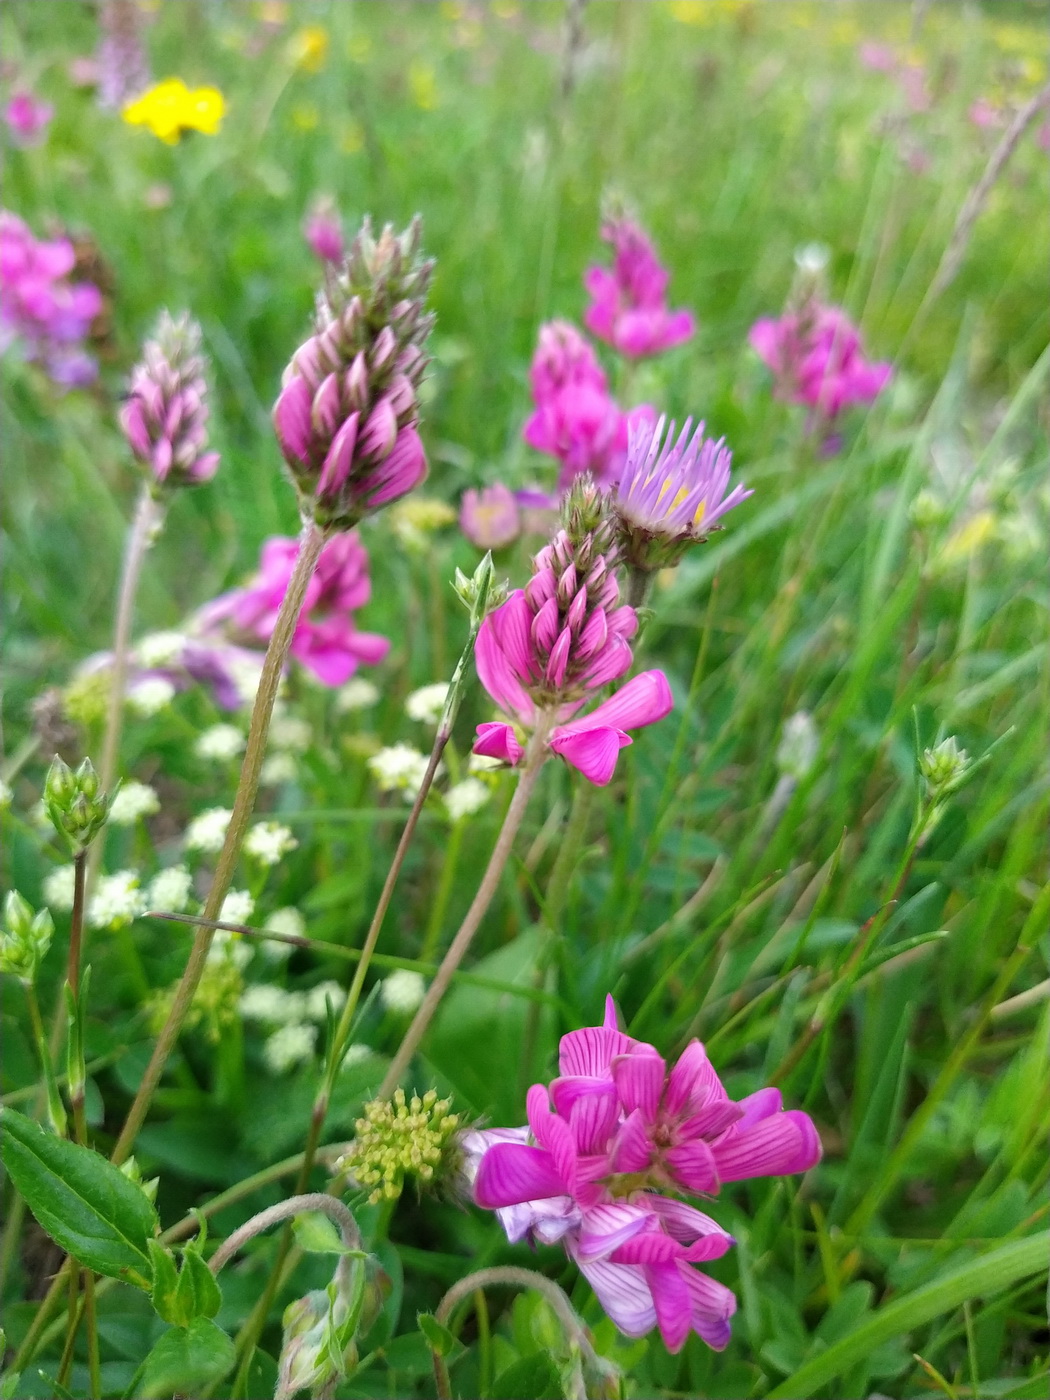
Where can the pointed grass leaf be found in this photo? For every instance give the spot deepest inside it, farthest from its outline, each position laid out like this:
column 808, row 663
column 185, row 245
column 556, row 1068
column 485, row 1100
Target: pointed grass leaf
column 85, row 1203
column 991, row 1273
column 186, row 1360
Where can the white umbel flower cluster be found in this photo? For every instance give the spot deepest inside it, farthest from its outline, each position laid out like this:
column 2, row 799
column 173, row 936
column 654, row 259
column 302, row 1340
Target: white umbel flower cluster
column 402, row 991
column 289, row 734
column 132, row 801
column 170, row 890
column 237, row 907
column 278, row 768
column 267, row 842
column 289, row 1046
column 220, row 744
column 357, row 694
column 399, row 768
column 427, row 703
column 207, row 831
column 57, row 888
column 282, row 921
column 150, row 695
column 117, row 900
column 160, row 649
column 466, row 798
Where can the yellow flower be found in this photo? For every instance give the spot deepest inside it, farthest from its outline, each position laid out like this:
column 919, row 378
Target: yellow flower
column 309, row 48
column 171, row 108
column 422, row 84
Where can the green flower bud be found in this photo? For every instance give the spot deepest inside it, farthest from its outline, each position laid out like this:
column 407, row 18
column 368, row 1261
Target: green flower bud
column 399, row 1138
column 481, row 592
column 943, row 768
column 77, row 806
column 24, row 938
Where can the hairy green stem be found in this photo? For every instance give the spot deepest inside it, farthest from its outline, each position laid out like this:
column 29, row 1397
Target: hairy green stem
column 311, row 542
column 534, row 758
column 285, row 1210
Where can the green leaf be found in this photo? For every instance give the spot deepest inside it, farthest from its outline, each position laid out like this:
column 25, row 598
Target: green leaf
column 316, row 1234
column 187, row 1359
column 439, row 1338
column 989, row 1274
column 531, row 1378
column 165, row 1281
column 191, row 1292
column 199, row 1289
column 86, row 1204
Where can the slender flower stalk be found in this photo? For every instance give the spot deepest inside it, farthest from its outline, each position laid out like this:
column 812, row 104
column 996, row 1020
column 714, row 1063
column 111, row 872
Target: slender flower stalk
column 535, row 756
column 285, row 1210
column 311, row 542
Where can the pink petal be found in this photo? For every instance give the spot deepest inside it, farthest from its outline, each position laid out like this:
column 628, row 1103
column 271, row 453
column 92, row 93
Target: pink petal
column 593, row 1117
column 693, row 1082
column 593, row 752
column 605, row 1227
column 776, row 1146
column 545, row 626
column 497, row 674
column 291, row 419
column 645, row 699
column 339, row 457
column 512, row 628
column 693, row 1167
column 632, row 1148
column 759, row 1105
column 590, row 1051
column 404, row 468
column 710, row 1300
column 639, row 1079
column 684, row 1222
column 558, row 660
column 498, row 741
column 511, row 1173
column 612, row 1016
column 674, row 1309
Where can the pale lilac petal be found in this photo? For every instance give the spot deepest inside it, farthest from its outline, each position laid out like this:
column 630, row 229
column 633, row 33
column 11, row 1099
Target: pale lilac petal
column 684, row 1222
column 606, row 1227
column 624, row 1295
column 710, row 1300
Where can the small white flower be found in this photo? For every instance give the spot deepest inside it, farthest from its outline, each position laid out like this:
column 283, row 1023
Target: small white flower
column 207, row 832
column 263, row 1001
column 357, row 694
column 268, row 842
column 150, row 695
column 220, row 743
column 278, row 768
column 170, row 890
column 117, row 900
column 58, row 887
column 798, row 745
column 5, row 794
column 245, row 671
column 160, row 649
column 402, row 991
column 290, row 734
column 132, row 801
column 236, row 908
column 427, row 703
column 227, row 946
column 282, row 921
column 289, row 1046
column 466, row 798
column 356, row 1054
column 483, row 763
column 318, row 997
column 399, row 768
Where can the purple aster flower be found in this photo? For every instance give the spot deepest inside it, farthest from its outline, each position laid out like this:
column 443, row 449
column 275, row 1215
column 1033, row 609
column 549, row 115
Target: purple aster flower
column 672, row 493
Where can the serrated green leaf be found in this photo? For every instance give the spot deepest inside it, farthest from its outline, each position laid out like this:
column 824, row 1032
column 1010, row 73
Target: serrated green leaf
column 438, row 1336
column 187, row 1359
column 85, row 1203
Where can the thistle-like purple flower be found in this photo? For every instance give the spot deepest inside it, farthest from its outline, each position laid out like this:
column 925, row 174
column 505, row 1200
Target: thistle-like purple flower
column 672, row 493
column 347, row 413
column 165, row 415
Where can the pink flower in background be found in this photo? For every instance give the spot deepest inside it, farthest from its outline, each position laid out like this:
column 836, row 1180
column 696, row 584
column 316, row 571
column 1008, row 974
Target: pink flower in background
column 324, row 231
column 551, row 646
column 326, row 640
column 28, row 118
column 628, row 301
column 40, row 308
column 880, row 58
column 816, row 358
column 490, row 519
column 985, row 114
column 576, row 418
column 165, row 415
column 604, row 1143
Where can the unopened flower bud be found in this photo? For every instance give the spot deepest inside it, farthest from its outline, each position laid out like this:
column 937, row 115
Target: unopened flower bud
column 943, row 768
column 133, row 1172
column 480, row 592
column 398, row 1138
column 77, row 807
column 324, row 232
column 24, row 938
column 165, row 415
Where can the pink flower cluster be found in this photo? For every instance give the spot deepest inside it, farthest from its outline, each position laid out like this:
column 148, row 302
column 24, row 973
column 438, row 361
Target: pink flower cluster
column 576, row 418
column 817, row 360
column 628, row 306
column 28, row 117
column 605, row 1142
column 326, row 640
column 40, row 308
column 165, row 415
column 550, row 647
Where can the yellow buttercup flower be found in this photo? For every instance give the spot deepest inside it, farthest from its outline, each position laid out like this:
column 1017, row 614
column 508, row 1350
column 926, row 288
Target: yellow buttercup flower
column 170, row 108
column 309, row 48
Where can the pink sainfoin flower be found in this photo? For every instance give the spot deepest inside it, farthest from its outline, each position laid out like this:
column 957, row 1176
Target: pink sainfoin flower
column 817, row 360
column 628, row 301
column 605, row 1143
column 165, row 415
column 672, row 493
column 40, row 309
column 576, row 418
column 347, row 413
column 490, row 518
column 324, row 232
column 27, row 118
column 552, row 645
column 326, row 640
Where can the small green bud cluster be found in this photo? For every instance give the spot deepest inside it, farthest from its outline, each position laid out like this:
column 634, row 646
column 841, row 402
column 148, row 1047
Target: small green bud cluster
column 75, row 802
column 398, row 1138
column 24, row 938
column 311, row 1356
column 587, row 523
column 943, row 768
column 480, row 592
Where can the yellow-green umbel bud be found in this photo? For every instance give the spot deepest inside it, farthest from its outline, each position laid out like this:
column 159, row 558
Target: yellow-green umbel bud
column 943, row 768
column 24, row 938
column 75, row 802
column 398, row 1138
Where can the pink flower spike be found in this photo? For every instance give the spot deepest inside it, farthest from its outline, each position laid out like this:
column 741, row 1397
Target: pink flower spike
column 498, row 741
column 629, row 308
